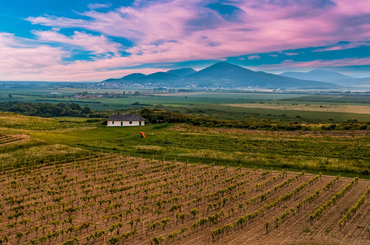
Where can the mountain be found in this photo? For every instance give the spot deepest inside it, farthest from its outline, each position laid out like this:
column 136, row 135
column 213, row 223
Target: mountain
column 160, row 76
column 223, row 74
column 317, row 75
column 219, row 75
column 140, row 78
column 133, row 77
column 353, row 82
column 183, row 72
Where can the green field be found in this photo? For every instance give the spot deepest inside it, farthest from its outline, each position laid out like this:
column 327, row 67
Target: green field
column 208, row 104
column 333, row 99
column 281, row 115
column 349, row 154
column 331, row 154
column 41, row 95
column 71, row 142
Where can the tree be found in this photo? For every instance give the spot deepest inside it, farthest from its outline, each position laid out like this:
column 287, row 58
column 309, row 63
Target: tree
column 10, row 96
column 75, row 106
column 86, row 110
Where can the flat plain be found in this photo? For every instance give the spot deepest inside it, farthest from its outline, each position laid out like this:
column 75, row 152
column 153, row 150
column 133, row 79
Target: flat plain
column 317, row 107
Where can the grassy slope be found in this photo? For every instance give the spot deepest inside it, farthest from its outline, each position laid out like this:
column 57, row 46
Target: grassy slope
column 328, row 154
column 336, row 116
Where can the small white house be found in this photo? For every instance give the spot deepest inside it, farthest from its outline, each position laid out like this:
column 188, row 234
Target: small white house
column 121, row 120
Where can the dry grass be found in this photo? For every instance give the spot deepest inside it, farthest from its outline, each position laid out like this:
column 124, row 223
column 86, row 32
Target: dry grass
column 36, row 152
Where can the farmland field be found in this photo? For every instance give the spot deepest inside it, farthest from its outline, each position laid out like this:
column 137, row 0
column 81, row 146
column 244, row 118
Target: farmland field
column 224, row 105
column 116, row 199
column 76, row 181
column 277, row 114
column 332, row 152
column 248, row 96
column 72, row 180
column 358, row 109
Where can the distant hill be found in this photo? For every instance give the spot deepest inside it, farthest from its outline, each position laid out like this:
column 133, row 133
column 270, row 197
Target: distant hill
column 183, row 72
column 353, row 82
column 160, row 76
column 219, row 75
column 133, row 77
column 317, row 75
column 223, row 74
column 140, row 78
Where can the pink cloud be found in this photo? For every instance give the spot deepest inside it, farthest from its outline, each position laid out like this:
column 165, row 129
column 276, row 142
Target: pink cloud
column 96, row 44
column 286, row 64
column 343, row 46
column 178, row 30
column 291, row 54
column 20, row 58
column 254, row 57
column 87, row 75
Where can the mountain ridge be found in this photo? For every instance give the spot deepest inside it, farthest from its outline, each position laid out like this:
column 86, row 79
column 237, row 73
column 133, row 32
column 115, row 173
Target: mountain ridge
column 219, row 75
column 317, row 75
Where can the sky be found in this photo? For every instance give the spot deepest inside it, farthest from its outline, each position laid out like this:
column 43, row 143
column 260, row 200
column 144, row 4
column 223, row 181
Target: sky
column 69, row 40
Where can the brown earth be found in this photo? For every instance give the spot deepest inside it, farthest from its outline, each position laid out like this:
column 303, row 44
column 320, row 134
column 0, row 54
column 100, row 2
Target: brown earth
column 99, row 192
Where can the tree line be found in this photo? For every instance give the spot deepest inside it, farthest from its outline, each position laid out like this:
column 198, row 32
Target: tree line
column 157, row 115
column 49, row 109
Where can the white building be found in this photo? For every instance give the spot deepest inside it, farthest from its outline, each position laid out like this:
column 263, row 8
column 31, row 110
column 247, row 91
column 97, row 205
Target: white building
column 118, row 120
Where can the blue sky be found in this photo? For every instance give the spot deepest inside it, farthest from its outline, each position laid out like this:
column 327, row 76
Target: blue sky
column 93, row 40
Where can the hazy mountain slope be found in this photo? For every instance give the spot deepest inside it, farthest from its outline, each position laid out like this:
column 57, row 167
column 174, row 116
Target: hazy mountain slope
column 223, row 74
column 353, row 82
column 133, row 77
column 183, row 72
column 317, row 75
column 159, row 76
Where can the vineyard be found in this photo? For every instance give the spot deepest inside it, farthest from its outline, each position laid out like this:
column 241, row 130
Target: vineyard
column 116, row 199
column 6, row 139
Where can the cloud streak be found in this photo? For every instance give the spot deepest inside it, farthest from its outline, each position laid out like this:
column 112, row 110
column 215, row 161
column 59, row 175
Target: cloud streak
column 346, row 62
column 98, row 6
column 88, row 42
